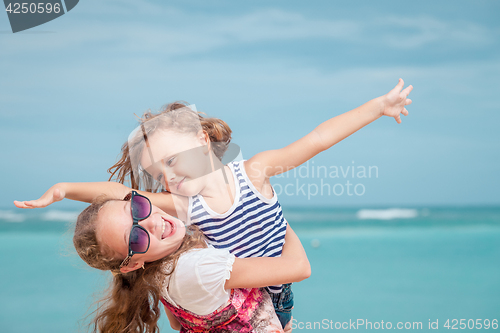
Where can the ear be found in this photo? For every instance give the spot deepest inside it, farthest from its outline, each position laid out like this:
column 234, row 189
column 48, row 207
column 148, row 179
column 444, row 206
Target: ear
column 204, row 139
column 132, row 267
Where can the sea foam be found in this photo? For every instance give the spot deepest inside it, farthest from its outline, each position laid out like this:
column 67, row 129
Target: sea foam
column 10, row 216
column 386, row 214
column 58, row 215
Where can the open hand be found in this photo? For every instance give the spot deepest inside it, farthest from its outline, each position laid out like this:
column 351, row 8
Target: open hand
column 396, row 100
column 54, row 194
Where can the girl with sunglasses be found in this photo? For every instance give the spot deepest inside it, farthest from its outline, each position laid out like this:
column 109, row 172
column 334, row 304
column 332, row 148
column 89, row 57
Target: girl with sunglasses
column 176, row 158
column 154, row 258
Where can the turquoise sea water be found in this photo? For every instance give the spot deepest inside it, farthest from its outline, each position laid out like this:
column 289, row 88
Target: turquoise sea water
column 402, row 266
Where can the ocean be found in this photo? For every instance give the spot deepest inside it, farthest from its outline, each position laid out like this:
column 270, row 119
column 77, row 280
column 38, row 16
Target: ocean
column 408, row 269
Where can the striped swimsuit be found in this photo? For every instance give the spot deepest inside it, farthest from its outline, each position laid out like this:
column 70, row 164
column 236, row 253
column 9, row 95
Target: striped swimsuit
column 253, row 227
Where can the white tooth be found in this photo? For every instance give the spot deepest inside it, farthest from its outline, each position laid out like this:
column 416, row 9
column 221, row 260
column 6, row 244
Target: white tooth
column 163, row 229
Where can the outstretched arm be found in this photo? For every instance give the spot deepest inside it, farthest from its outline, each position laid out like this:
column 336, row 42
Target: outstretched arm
column 292, row 266
column 332, row 131
column 87, row 192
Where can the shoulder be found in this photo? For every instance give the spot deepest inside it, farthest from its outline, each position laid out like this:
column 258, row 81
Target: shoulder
column 256, row 170
column 260, row 166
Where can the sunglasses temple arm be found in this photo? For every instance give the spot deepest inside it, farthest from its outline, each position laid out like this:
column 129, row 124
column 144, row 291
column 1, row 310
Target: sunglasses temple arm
column 126, row 261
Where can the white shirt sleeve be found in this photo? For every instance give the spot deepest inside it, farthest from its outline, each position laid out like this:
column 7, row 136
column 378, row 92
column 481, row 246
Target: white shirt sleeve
column 197, row 283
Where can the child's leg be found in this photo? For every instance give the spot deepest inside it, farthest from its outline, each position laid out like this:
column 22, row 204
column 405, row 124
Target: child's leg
column 283, row 304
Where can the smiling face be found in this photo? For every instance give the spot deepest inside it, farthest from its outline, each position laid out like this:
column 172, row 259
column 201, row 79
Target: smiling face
column 114, row 223
column 178, row 160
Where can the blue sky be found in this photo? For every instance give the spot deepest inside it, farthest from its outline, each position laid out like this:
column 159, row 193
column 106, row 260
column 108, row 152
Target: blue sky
column 273, row 71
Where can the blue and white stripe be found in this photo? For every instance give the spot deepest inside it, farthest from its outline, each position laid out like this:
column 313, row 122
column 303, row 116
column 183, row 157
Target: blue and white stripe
column 253, row 227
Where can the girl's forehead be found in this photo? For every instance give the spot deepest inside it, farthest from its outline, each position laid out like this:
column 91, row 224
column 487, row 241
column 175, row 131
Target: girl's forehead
column 113, row 220
column 114, row 212
column 164, row 144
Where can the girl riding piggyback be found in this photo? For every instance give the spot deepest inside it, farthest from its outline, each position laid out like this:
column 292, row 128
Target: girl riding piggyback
column 180, row 152
column 175, row 157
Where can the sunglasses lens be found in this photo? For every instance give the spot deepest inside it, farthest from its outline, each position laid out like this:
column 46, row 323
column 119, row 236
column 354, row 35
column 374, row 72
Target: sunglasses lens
column 140, row 207
column 139, row 240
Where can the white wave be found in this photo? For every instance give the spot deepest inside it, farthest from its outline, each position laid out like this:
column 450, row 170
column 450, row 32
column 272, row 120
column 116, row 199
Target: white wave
column 10, row 216
column 306, row 217
column 386, row 214
column 58, row 215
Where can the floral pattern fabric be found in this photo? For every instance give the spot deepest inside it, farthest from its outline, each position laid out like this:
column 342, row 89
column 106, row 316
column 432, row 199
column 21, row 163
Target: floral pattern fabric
column 248, row 310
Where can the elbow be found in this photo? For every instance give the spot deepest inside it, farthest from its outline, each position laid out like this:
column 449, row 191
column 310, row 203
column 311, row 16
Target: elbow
column 304, row 271
column 318, row 142
column 174, row 323
column 307, row 272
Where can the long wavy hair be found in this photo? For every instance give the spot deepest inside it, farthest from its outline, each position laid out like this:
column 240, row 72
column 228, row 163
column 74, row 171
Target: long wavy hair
column 177, row 116
column 132, row 302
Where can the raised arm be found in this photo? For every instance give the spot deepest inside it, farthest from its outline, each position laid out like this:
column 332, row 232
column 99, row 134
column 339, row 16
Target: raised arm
column 87, row 192
column 327, row 134
column 292, row 266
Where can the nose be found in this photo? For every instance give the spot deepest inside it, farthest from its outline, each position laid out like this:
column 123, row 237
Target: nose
column 170, row 175
column 149, row 224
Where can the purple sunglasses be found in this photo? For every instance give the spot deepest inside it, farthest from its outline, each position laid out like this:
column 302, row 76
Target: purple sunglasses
column 138, row 242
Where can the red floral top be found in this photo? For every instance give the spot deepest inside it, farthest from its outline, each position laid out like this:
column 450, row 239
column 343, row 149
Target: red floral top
column 248, row 310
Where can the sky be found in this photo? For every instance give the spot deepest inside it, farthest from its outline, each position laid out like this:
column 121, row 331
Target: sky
column 273, row 70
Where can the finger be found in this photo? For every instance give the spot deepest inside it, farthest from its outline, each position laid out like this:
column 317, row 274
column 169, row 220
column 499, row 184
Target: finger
column 23, row 204
column 398, row 119
column 20, row 204
column 34, row 204
column 408, row 101
column 399, row 86
column 405, row 112
column 407, row 90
